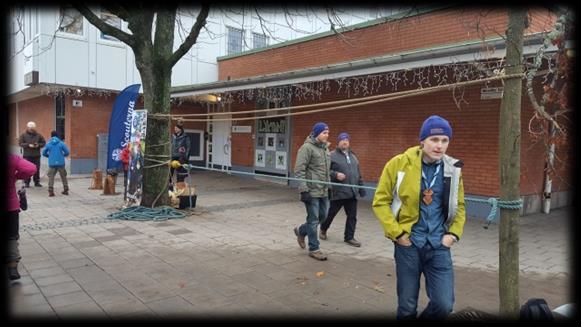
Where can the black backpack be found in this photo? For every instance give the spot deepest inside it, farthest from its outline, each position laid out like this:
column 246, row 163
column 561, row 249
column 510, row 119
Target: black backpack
column 536, row 309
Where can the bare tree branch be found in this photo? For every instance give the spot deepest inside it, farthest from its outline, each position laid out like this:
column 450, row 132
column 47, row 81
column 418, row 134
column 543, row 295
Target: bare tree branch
column 192, row 37
column 263, row 26
column 118, row 10
column 331, row 15
column 104, row 27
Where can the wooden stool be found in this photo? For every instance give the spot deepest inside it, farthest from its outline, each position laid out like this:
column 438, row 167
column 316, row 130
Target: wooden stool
column 109, row 188
column 96, row 183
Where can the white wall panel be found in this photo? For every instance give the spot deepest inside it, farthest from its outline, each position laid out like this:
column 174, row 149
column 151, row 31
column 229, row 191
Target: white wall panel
column 72, row 61
column 88, row 61
column 181, row 73
column 111, row 67
column 207, row 72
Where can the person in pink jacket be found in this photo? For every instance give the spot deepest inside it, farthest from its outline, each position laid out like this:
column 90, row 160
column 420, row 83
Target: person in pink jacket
column 18, row 168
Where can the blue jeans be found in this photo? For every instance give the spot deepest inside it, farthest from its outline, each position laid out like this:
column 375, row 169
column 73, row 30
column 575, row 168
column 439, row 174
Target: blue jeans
column 436, row 265
column 316, row 213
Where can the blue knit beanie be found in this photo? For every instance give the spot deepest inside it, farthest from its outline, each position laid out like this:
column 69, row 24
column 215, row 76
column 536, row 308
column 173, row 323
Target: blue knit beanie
column 342, row 137
column 319, row 128
column 435, row 125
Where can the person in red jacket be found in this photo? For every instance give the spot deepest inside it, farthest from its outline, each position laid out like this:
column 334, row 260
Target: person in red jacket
column 18, row 168
column 125, row 155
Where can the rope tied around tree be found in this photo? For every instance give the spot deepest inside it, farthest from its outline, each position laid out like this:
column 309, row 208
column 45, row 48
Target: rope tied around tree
column 496, row 203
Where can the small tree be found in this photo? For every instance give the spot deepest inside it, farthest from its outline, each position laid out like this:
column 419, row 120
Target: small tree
column 152, row 41
column 509, row 141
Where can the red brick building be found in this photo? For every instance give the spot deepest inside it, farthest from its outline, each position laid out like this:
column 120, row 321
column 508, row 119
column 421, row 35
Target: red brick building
column 385, row 56
column 80, row 113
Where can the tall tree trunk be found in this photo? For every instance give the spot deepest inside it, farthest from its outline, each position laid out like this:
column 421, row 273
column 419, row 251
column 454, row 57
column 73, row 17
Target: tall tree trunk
column 156, row 89
column 509, row 142
column 157, row 145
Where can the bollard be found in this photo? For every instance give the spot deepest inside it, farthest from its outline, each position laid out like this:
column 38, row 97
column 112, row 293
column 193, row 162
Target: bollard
column 96, row 183
column 109, row 187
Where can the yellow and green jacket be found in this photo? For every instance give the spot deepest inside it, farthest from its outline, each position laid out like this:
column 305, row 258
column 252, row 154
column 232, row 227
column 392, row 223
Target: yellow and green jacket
column 397, row 198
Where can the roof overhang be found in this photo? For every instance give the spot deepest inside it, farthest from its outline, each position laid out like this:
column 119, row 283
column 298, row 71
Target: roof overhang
column 46, row 89
column 454, row 53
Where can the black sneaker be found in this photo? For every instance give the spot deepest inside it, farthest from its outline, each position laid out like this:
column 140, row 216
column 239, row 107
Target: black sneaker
column 13, row 273
column 37, row 184
column 353, row 242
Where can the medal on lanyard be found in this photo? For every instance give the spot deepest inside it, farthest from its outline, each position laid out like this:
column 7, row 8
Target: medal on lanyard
column 428, row 192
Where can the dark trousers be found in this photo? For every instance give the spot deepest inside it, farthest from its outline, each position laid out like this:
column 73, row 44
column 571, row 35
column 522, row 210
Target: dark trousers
column 350, row 206
column 9, row 225
column 36, row 177
column 124, row 184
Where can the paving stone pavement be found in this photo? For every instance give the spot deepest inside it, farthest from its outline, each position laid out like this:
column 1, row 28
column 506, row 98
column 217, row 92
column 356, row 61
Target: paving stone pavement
column 235, row 255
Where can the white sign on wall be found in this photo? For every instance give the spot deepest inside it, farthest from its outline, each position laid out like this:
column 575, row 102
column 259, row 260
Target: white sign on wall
column 241, row 129
column 487, row 93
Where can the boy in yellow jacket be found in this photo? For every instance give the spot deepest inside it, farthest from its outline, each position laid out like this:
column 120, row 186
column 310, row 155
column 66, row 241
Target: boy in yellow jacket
column 419, row 202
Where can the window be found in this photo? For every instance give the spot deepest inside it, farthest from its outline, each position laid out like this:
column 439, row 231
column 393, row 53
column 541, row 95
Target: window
column 197, row 144
column 235, row 39
column 112, row 20
column 60, row 115
column 71, row 21
column 259, row 40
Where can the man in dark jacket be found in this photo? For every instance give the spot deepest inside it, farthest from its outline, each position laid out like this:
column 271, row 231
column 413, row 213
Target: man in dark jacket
column 344, row 169
column 56, row 151
column 180, row 151
column 31, row 142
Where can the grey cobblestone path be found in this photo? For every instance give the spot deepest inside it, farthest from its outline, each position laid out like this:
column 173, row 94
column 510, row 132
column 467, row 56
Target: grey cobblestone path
column 235, row 255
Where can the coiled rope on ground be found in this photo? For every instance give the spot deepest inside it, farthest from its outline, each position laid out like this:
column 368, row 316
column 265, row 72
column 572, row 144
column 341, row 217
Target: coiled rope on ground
column 141, row 213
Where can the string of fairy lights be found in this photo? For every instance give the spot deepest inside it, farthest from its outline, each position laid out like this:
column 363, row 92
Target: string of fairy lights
column 381, row 83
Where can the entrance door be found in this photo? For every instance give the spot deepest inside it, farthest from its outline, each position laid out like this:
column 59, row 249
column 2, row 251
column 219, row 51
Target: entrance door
column 221, row 145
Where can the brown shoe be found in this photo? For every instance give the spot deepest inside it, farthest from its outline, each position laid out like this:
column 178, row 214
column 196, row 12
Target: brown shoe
column 319, row 255
column 323, row 235
column 65, row 192
column 50, row 193
column 300, row 239
column 353, row 242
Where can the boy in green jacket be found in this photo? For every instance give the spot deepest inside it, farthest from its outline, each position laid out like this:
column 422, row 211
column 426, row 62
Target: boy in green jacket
column 419, row 202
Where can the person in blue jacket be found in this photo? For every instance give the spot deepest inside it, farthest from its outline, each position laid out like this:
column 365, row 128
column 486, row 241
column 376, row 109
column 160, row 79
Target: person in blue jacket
column 56, row 151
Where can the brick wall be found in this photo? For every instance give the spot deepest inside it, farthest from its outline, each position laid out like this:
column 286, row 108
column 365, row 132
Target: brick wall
column 243, row 143
column 422, row 31
column 40, row 110
column 380, row 131
column 82, row 124
column 188, row 108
